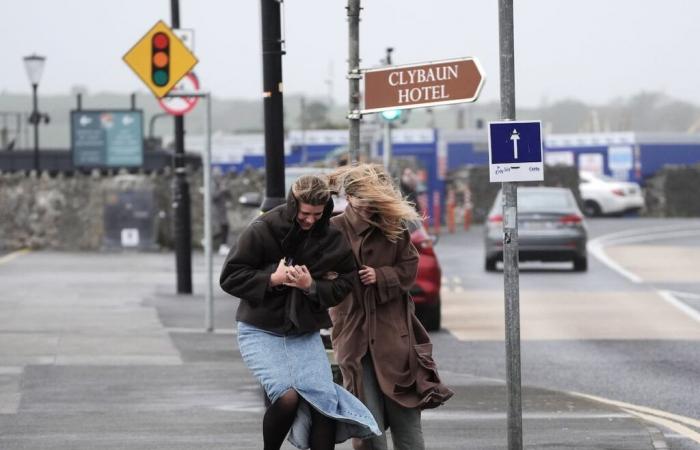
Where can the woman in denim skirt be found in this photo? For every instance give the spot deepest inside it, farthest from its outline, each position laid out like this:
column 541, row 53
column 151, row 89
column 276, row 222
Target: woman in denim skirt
column 288, row 268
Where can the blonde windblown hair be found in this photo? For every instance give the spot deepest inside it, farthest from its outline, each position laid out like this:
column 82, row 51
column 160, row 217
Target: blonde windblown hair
column 375, row 192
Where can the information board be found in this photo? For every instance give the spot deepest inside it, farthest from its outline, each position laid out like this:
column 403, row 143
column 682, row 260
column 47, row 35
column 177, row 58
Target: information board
column 107, row 138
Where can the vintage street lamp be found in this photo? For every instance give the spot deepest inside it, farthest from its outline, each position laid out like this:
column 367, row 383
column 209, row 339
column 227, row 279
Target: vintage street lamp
column 35, row 66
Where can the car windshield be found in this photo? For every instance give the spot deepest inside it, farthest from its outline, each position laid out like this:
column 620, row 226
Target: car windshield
column 544, row 201
column 541, row 200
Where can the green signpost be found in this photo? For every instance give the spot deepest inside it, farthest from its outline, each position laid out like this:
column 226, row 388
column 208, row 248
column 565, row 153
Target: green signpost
column 107, row 138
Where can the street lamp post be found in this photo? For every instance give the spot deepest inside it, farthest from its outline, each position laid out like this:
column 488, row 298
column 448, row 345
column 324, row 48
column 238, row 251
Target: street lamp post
column 35, row 67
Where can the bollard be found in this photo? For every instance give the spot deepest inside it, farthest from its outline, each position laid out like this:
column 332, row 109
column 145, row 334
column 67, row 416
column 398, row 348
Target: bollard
column 468, row 207
column 436, row 212
column 450, row 217
column 450, row 211
column 467, row 218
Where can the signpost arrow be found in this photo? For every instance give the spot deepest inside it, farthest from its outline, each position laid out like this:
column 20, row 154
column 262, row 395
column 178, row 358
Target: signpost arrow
column 421, row 85
column 515, row 137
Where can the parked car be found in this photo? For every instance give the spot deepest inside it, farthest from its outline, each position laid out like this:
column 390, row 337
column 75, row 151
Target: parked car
column 550, row 228
column 603, row 195
column 426, row 290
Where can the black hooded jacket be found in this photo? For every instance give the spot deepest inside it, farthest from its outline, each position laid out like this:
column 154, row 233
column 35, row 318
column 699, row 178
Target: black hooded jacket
column 276, row 235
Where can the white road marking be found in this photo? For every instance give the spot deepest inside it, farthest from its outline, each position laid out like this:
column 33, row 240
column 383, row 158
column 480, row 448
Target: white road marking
column 597, row 246
column 678, row 428
column 641, row 409
column 687, row 310
column 685, row 294
column 679, row 424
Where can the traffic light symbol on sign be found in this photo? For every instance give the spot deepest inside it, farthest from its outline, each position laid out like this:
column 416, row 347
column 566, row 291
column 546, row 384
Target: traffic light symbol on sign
column 160, row 61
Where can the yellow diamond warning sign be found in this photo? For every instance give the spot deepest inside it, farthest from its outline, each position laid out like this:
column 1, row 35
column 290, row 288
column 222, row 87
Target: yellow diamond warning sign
column 160, row 59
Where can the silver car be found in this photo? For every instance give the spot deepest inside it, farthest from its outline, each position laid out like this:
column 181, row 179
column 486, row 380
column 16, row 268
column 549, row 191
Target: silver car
column 550, row 228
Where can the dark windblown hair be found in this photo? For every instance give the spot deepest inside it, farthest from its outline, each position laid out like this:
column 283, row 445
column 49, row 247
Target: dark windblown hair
column 312, row 190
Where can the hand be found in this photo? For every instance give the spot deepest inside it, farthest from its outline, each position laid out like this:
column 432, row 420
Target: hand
column 298, row 277
column 367, row 275
column 279, row 275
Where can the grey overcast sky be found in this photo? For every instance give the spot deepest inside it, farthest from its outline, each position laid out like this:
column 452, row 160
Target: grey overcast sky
column 592, row 50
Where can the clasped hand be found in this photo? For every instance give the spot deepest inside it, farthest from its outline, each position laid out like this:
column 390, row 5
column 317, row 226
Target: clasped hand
column 293, row 276
column 367, row 275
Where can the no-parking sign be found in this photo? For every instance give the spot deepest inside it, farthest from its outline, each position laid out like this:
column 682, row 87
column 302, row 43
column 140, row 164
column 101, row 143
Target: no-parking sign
column 179, row 106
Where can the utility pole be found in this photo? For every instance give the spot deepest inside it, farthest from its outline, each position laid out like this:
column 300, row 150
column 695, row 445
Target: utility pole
column 182, row 227
column 272, row 52
column 354, row 76
column 510, row 236
column 35, row 122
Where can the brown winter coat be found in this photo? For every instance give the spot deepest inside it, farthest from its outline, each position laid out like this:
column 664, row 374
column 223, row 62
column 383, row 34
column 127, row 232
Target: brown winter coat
column 380, row 319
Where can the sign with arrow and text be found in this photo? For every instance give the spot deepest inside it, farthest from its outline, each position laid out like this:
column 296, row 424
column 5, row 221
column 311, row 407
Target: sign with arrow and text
column 515, row 151
column 107, row 138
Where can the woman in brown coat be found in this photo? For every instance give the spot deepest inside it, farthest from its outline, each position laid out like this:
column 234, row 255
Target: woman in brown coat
column 384, row 353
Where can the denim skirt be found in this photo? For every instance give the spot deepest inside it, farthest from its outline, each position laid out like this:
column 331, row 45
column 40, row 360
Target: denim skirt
column 299, row 362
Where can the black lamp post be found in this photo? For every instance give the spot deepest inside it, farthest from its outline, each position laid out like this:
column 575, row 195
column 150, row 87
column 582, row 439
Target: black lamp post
column 35, row 67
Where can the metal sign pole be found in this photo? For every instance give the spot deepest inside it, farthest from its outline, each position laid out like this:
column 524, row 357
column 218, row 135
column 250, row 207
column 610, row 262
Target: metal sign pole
column 510, row 237
column 206, row 172
column 386, row 155
column 209, row 319
column 354, row 77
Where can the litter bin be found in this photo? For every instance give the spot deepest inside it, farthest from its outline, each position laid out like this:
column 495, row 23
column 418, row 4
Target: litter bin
column 130, row 219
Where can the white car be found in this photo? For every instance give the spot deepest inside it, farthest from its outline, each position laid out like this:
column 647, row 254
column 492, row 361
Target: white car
column 603, row 195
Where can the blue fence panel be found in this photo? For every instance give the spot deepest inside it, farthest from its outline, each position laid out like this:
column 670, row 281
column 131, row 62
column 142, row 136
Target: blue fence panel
column 655, row 156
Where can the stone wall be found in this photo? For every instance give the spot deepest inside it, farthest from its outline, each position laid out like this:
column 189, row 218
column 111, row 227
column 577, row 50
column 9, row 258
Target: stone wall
column 674, row 192
column 68, row 213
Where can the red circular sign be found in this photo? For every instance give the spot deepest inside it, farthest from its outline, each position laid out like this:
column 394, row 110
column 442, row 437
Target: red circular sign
column 179, row 106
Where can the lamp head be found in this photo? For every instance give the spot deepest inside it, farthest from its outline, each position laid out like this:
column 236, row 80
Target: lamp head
column 35, row 67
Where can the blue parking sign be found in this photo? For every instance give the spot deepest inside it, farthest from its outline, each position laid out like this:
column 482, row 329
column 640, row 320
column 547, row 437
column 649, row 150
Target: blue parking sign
column 515, row 151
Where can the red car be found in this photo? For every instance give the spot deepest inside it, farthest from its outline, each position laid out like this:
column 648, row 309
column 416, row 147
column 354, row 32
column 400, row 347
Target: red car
column 426, row 290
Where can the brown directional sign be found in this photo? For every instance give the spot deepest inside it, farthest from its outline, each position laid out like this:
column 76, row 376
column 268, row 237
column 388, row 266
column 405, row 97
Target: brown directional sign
column 421, row 85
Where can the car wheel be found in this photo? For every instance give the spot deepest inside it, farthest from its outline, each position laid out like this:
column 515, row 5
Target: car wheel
column 580, row 264
column 591, row 208
column 490, row 264
column 430, row 316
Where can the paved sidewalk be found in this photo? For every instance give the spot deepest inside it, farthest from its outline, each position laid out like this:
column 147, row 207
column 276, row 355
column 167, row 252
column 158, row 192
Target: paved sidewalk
column 97, row 353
